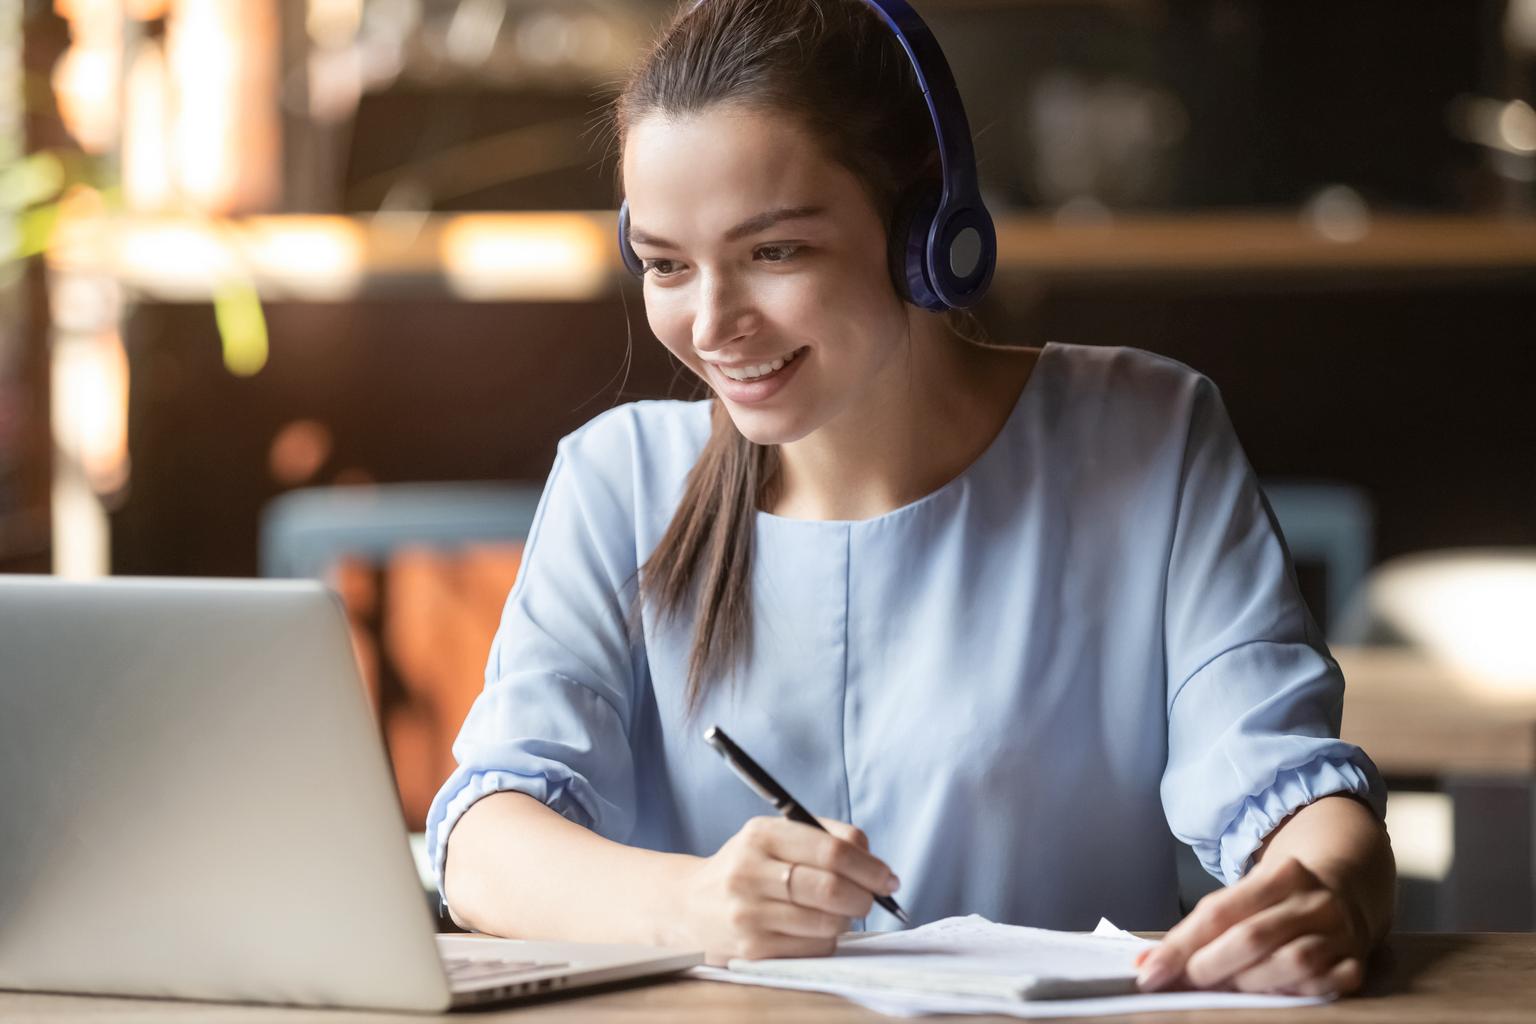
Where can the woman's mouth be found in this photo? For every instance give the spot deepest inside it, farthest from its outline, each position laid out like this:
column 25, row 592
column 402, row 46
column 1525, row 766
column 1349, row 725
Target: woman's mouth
column 746, row 385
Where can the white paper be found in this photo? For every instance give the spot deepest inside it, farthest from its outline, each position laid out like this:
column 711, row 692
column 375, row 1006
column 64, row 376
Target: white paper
column 871, row 969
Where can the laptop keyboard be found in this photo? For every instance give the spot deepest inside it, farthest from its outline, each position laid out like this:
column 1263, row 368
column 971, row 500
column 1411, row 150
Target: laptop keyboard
column 470, row 970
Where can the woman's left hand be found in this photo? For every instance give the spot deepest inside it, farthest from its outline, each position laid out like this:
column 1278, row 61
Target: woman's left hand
column 1280, row 929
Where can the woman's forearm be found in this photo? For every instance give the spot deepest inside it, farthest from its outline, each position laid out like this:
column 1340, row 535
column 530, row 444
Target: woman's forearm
column 518, row 869
column 1340, row 840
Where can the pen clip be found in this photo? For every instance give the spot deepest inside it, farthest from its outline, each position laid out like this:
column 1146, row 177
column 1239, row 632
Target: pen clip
column 734, row 757
column 743, row 775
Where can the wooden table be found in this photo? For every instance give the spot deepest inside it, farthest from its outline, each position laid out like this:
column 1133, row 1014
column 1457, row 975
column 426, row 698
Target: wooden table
column 1417, row 718
column 1467, row 978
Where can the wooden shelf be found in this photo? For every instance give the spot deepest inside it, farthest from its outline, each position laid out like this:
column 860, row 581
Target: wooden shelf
column 1216, row 243
column 571, row 256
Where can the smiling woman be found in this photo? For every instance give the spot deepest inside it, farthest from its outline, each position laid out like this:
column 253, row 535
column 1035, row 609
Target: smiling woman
column 1023, row 616
column 763, row 219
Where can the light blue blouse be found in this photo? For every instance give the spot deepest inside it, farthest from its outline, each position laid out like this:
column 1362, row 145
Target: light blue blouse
column 1025, row 687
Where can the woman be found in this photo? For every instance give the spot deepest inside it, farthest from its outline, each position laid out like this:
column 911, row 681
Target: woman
column 1021, row 616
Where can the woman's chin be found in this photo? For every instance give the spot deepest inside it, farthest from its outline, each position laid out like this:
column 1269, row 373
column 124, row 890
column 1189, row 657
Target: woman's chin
column 765, row 428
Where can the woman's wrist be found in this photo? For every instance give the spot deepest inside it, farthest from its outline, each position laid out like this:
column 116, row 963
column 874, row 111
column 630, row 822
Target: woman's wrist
column 667, row 911
column 1341, row 841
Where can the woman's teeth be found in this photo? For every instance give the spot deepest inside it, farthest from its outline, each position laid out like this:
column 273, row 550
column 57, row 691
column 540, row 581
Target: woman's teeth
column 761, row 370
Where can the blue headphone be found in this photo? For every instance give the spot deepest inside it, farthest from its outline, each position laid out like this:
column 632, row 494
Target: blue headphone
column 943, row 245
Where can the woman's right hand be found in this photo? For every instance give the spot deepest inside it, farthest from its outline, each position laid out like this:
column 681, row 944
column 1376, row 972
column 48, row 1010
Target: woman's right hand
column 779, row 888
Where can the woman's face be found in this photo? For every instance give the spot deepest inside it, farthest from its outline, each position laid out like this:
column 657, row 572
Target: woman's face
column 761, row 254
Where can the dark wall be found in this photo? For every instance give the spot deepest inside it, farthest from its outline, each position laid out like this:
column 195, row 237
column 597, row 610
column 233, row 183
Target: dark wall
column 426, row 390
column 1421, row 391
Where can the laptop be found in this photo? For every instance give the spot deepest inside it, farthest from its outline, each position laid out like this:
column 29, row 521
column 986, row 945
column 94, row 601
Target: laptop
column 195, row 803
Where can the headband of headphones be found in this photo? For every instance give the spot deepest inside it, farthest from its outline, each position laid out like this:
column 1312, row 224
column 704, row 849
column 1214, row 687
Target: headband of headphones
column 943, row 243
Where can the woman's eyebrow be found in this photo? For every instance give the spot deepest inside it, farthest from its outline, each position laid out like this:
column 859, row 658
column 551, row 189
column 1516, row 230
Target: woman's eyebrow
column 751, row 226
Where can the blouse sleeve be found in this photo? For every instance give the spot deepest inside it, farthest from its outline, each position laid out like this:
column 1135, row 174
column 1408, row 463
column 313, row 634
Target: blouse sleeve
column 553, row 719
column 1254, row 697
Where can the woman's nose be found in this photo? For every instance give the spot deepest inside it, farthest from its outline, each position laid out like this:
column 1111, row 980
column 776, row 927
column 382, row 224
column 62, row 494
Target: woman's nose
column 723, row 315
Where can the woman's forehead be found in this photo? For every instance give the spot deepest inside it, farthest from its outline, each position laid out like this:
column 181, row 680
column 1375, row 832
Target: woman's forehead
column 702, row 167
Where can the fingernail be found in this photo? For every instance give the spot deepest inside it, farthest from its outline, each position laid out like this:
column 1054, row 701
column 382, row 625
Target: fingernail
column 1140, row 957
column 892, row 883
column 1155, row 973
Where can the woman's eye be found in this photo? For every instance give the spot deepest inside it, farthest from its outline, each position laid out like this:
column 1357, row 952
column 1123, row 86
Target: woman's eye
column 657, row 266
column 779, row 253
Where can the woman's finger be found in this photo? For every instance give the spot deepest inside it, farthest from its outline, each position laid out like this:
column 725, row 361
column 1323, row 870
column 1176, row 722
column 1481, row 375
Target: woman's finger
column 1344, row 977
column 814, row 887
column 1303, row 959
column 779, row 918
column 1218, row 912
column 797, row 843
column 1256, row 938
column 846, row 832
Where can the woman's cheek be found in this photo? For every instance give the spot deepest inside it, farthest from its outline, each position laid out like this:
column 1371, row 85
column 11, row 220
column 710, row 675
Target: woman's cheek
column 671, row 330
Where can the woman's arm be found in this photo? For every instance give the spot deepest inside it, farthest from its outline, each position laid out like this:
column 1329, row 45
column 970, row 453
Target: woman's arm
column 1318, row 900
column 517, row 868
column 777, row 888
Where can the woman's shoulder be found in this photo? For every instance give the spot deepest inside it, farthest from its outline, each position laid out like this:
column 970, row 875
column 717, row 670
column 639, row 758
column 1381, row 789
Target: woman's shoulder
column 637, row 454
column 1125, row 371
column 652, row 430
column 1124, row 391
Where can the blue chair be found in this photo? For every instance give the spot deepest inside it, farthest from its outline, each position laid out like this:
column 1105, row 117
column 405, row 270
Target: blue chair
column 1330, row 524
column 304, row 532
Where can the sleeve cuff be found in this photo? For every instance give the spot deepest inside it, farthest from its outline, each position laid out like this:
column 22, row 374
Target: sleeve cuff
column 558, row 794
column 1229, row 858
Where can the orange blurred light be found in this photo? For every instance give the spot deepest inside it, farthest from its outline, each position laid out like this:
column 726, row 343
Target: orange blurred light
column 80, row 235
column 298, row 451
column 147, row 10
column 148, row 179
column 223, row 67
column 312, row 257
column 85, row 85
column 90, row 407
column 553, row 256
column 177, row 258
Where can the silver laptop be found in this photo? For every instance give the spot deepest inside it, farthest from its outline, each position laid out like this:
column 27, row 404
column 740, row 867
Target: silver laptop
column 195, row 803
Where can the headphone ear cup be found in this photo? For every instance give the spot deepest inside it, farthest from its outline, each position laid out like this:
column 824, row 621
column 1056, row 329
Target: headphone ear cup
column 627, row 253
column 907, row 253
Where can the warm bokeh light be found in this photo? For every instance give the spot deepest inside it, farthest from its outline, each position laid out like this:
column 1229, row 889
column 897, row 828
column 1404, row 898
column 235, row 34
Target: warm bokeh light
column 223, row 68
column 312, row 258
column 148, row 178
column 551, row 256
column 80, row 237
column 315, row 258
column 1517, row 126
column 1471, row 611
column 180, row 257
column 90, row 407
column 146, row 10
column 85, row 79
column 1422, row 826
column 333, row 23
column 298, row 451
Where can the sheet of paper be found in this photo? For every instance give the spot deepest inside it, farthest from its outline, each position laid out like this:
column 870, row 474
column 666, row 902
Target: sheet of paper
column 867, row 969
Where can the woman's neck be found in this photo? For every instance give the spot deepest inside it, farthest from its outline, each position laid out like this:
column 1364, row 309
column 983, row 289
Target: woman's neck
column 931, row 419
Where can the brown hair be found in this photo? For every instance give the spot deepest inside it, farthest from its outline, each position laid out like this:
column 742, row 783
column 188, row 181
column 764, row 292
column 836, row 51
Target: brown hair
column 790, row 57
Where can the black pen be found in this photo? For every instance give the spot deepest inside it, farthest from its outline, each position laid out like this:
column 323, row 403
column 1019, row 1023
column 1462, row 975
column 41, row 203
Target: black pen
column 753, row 775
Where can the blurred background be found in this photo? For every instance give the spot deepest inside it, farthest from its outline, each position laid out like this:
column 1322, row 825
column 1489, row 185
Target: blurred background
column 313, row 287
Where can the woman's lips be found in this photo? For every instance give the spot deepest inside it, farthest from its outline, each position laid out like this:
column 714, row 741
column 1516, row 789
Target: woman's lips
column 759, row 389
